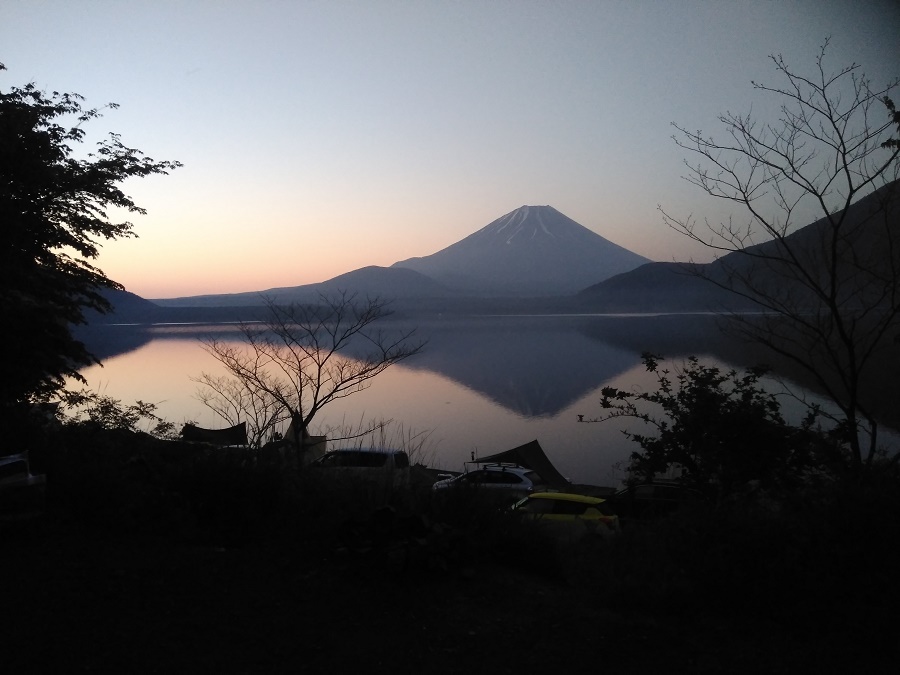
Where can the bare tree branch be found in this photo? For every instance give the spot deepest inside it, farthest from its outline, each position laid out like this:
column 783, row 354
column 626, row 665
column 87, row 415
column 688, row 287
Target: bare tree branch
column 828, row 293
column 301, row 359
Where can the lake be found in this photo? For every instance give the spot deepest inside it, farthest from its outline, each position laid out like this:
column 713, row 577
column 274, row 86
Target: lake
column 482, row 384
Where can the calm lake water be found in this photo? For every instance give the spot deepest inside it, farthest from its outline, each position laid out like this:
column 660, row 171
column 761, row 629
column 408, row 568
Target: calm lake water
column 481, row 385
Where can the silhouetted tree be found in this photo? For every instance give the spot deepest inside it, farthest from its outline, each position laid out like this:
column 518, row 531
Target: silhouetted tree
column 238, row 400
column 305, row 356
column 106, row 412
column 54, row 206
column 718, row 430
column 829, row 294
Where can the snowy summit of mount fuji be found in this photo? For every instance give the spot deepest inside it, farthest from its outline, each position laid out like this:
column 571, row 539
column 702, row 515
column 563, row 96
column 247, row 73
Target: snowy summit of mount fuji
column 531, row 251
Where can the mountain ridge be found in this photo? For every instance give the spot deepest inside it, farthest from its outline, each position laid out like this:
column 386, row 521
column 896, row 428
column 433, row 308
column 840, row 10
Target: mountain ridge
column 372, row 280
column 650, row 287
column 692, row 286
column 532, row 251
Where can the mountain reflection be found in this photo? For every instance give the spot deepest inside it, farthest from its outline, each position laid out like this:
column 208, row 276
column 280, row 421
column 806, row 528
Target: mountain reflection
column 533, row 366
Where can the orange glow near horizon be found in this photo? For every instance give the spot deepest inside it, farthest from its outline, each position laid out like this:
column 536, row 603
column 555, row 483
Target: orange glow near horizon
column 154, row 267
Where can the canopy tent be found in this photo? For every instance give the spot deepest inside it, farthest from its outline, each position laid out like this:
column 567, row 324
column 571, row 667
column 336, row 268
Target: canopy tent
column 531, row 456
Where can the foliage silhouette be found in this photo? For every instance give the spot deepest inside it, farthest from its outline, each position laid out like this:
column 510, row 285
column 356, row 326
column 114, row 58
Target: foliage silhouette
column 54, row 204
column 719, row 431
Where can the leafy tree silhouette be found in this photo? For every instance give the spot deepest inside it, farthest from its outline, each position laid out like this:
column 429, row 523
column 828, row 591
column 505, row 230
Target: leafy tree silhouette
column 54, row 206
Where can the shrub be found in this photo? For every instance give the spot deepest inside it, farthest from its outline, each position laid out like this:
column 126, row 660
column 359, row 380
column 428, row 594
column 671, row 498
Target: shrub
column 719, row 431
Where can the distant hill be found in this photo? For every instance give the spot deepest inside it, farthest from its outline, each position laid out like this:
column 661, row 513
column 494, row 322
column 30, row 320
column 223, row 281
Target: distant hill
column 384, row 282
column 867, row 242
column 128, row 304
column 659, row 287
column 530, row 252
column 130, row 308
column 127, row 308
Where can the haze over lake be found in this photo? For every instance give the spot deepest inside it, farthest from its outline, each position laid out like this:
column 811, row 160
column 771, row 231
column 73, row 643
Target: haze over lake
column 481, row 385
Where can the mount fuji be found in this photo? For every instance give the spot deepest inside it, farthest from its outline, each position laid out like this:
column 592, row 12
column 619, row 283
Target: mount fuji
column 532, row 251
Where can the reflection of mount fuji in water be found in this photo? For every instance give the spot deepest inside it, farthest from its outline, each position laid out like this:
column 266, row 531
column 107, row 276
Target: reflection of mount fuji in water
column 533, row 366
column 537, row 366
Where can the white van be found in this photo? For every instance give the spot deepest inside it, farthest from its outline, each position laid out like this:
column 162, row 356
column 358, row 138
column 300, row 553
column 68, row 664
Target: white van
column 384, row 466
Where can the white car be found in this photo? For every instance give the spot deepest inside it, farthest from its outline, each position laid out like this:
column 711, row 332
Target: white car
column 511, row 480
column 383, row 466
column 21, row 492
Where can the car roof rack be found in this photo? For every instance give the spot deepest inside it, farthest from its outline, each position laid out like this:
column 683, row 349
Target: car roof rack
column 502, row 465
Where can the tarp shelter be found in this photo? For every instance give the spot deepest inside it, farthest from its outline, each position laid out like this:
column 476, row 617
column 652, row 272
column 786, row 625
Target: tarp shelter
column 313, row 446
column 531, row 456
column 236, row 435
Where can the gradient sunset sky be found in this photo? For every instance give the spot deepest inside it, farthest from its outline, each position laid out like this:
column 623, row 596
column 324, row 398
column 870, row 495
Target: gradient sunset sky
column 320, row 137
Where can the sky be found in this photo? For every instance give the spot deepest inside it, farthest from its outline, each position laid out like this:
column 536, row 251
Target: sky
column 321, row 137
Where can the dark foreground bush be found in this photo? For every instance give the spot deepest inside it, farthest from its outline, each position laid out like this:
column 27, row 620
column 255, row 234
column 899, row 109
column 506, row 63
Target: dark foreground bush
column 492, row 532
column 119, row 482
column 830, row 553
column 830, row 556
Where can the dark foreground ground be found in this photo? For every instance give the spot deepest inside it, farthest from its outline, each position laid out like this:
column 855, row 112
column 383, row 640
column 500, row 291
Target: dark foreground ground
column 154, row 557
column 74, row 603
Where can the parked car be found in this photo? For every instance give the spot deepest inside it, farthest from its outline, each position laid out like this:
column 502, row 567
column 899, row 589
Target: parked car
column 565, row 514
column 21, row 492
column 382, row 466
column 648, row 501
column 508, row 480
